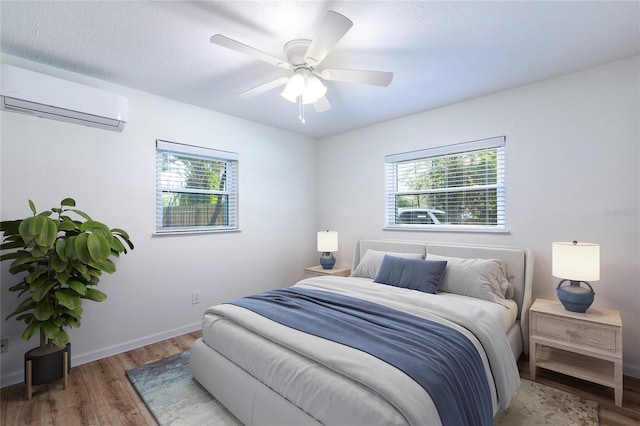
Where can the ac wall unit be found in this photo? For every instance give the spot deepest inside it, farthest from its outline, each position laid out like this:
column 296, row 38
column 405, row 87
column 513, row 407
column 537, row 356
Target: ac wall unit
column 38, row 94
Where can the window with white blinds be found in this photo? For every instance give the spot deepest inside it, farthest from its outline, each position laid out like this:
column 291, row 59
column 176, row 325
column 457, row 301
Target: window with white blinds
column 455, row 187
column 196, row 189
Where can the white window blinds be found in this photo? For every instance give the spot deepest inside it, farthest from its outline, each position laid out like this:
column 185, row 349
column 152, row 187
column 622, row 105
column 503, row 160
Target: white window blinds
column 455, row 187
column 196, row 189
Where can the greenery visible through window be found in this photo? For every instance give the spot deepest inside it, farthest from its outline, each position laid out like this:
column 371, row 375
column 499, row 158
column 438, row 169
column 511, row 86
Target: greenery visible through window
column 455, row 187
column 196, row 189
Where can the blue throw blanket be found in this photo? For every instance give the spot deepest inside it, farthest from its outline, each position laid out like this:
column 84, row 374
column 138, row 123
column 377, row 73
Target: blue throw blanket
column 442, row 360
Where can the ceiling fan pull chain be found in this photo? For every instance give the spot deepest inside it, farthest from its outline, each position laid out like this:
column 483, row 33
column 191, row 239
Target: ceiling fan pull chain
column 301, row 110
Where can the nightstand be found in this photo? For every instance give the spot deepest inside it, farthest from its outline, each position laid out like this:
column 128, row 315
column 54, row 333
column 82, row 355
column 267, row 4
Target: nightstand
column 318, row 271
column 583, row 345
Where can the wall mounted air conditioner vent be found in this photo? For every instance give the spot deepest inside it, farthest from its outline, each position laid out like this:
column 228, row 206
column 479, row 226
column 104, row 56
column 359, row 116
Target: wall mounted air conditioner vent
column 38, row 94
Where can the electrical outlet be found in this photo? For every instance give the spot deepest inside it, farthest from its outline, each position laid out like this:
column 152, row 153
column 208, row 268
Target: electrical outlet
column 4, row 343
column 195, row 297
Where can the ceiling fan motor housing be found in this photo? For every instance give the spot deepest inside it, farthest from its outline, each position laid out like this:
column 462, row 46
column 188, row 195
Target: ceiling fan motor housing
column 296, row 51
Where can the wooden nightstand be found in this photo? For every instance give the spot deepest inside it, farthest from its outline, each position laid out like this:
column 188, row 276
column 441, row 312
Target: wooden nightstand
column 583, row 345
column 318, row 271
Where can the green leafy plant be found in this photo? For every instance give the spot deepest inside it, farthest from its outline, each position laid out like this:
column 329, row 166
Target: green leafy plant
column 61, row 254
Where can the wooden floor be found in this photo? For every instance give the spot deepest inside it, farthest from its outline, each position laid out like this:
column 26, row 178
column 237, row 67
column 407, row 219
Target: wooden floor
column 609, row 414
column 99, row 393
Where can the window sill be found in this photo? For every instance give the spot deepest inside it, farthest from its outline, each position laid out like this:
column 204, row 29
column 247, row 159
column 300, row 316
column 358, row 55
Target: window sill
column 444, row 228
column 194, row 231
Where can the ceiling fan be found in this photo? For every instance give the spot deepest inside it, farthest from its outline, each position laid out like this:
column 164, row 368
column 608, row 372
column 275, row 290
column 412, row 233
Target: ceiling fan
column 304, row 56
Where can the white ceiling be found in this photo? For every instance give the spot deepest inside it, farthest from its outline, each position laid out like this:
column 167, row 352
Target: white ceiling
column 440, row 52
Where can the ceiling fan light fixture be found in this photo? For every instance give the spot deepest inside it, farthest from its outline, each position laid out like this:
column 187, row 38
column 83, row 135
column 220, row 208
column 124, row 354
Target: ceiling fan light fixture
column 303, row 83
column 294, row 88
column 314, row 88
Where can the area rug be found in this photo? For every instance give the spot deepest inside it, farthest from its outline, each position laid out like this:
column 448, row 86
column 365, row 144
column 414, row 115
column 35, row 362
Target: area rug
column 174, row 397
column 536, row 404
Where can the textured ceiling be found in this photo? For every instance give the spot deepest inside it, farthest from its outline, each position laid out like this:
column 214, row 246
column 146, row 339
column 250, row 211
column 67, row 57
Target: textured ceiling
column 440, row 52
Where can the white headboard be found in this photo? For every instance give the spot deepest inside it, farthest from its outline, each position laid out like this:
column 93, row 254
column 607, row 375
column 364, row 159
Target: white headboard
column 519, row 262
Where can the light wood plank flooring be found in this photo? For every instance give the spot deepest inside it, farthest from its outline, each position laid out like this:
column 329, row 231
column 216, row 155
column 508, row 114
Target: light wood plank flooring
column 99, row 393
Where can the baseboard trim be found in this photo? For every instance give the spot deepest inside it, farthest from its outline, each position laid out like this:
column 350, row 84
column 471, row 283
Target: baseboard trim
column 631, row 370
column 79, row 359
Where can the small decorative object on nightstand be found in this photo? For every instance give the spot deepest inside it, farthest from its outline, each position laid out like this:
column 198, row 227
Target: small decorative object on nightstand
column 327, row 242
column 583, row 345
column 318, row 271
column 577, row 263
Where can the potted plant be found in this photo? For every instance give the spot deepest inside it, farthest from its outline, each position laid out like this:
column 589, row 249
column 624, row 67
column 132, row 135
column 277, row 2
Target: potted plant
column 61, row 254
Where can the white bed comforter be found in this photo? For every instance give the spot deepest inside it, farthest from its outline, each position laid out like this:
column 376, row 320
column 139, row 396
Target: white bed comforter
column 336, row 384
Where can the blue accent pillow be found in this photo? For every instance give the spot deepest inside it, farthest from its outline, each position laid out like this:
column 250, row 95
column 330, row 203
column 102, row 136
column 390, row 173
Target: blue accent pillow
column 414, row 274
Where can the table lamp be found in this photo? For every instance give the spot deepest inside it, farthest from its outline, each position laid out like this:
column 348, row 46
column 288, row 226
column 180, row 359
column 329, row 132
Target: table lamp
column 575, row 262
column 327, row 242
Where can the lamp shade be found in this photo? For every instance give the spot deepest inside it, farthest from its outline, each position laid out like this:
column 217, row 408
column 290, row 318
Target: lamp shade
column 327, row 241
column 576, row 261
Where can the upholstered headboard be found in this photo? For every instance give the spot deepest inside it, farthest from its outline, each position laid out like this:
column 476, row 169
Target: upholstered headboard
column 519, row 263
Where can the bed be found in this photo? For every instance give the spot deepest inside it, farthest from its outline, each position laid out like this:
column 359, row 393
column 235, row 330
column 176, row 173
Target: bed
column 268, row 371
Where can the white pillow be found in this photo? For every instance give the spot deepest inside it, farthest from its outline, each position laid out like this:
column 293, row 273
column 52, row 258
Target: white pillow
column 480, row 278
column 508, row 290
column 372, row 259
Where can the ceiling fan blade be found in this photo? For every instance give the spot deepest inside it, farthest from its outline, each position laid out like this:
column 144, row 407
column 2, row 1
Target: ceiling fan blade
column 332, row 28
column 322, row 104
column 377, row 78
column 263, row 88
column 223, row 41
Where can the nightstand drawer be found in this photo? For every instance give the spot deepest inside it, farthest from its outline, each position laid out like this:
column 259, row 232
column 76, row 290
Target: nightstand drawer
column 581, row 333
column 319, row 271
column 309, row 274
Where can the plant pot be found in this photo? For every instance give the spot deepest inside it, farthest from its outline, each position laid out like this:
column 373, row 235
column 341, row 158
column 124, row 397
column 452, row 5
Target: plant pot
column 42, row 368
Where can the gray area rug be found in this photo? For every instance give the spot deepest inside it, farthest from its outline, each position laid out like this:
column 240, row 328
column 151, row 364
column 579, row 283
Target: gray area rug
column 176, row 398
column 536, row 404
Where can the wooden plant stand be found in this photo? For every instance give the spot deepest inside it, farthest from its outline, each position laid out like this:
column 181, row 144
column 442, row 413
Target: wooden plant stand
column 29, row 372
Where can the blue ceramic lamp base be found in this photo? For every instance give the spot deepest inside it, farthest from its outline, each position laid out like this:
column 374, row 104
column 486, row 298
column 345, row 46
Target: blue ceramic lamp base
column 575, row 298
column 327, row 260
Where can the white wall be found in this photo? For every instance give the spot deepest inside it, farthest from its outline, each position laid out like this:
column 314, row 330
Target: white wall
column 112, row 177
column 572, row 155
column 572, row 173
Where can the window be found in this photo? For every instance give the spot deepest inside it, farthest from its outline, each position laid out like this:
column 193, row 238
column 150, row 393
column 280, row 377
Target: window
column 196, row 189
column 455, row 187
